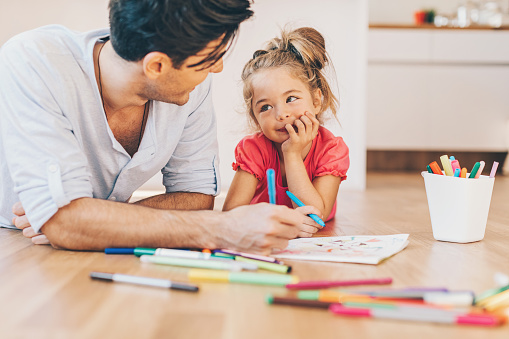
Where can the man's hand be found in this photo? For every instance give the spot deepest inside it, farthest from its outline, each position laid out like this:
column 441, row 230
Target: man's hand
column 260, row 228
column 21, row 222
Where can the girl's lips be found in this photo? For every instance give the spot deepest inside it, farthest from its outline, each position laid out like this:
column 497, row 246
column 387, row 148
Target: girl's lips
column 282, row 130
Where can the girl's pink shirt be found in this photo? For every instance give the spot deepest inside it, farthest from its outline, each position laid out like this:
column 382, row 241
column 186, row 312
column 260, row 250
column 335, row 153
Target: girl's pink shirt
column 255, row 154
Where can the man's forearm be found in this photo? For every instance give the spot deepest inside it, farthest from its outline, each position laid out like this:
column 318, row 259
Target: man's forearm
column 179, row 201
column 94, row 224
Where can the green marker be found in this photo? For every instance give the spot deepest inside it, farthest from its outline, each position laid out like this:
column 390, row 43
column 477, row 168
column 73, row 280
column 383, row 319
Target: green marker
column 139, row 251
column 489, row 293
column 474, row 170
column 197, row 263
column 429, row 169
column 266, row 265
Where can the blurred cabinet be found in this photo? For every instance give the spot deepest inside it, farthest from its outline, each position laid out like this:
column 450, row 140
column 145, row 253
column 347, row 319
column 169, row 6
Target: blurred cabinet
column 438, row 89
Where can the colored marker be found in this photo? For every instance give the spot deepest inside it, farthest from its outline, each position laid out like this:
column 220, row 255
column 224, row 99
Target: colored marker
column 132, row 279
column 483, row 297
column 301, row 204
column 169, row 252
column 173, row 253
column 138, row 251
column 457, row 172
column 249, row 255
column 407, row 293
column 453, row 298
column 494, row 169
column 315, row 285
column 273, row 300
column 455, row 163
column 481, row 167
column 463, row 173
column 435, row 168
column 242, row 277
column 474, row 170
column 339, row 297
column 438, row 316
column 198, row 263
column 495, row 302
column 121, row 250
column 271, row 185
column 429, row 169
column 446, row 164
column 265, row 265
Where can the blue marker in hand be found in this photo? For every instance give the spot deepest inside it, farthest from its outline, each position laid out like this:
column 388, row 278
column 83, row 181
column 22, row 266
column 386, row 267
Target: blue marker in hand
column 300, row 204
column 271, row 185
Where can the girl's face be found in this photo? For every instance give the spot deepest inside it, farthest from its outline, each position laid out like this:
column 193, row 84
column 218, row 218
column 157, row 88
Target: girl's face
column 280, row 99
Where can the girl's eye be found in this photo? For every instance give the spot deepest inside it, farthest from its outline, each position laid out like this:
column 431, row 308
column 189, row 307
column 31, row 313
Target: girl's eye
column 291, row 98
column 265, row 108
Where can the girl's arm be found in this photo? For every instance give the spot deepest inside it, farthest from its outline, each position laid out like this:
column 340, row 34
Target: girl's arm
column 242, row 190
column 320, row 193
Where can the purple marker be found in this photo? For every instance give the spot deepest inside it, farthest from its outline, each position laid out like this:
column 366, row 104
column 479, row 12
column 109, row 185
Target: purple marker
column 494, row 169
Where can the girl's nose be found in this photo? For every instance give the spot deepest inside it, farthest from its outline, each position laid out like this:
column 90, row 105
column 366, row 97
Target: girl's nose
column 282, row 115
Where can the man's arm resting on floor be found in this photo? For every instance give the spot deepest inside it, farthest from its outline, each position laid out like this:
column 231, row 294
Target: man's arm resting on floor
column 95, row 224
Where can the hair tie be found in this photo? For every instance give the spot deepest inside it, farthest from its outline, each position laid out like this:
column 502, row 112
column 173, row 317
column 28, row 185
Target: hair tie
column 294, row 51
column 259, row 52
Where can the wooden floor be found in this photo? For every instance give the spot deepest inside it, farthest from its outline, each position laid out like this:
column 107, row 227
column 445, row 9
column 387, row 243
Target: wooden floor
column 47, row 293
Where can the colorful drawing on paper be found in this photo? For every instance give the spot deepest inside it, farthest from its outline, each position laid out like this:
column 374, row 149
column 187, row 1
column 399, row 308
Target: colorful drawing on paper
column 360, row 249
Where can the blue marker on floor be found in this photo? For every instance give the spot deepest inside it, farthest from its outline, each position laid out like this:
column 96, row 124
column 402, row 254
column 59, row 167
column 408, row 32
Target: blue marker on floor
column 300, row 204
column 271, row 185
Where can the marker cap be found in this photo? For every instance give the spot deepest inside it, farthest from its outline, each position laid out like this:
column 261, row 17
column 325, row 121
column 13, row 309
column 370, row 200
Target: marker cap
column 139, row 251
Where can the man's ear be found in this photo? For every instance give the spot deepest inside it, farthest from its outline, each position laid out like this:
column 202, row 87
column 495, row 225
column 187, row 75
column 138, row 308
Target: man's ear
column 317, row 100
column 155, row 64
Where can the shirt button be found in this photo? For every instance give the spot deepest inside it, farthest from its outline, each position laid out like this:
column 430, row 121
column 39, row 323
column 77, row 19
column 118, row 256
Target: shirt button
column 53, row 168
column 113, row 198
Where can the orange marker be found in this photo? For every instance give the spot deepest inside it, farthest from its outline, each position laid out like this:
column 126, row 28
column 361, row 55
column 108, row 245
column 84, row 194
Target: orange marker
column 435, row 168
column 206, row 250
column 463, row 173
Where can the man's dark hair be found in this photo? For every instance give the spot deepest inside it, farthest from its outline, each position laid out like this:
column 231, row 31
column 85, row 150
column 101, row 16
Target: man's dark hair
column 178, row 28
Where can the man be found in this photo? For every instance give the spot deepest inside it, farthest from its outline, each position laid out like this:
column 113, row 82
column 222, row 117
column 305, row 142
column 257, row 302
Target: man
column 85, row 119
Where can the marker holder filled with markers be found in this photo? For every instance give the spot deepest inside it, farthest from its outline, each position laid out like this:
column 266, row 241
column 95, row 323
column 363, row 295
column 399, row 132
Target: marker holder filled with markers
column 458, row 206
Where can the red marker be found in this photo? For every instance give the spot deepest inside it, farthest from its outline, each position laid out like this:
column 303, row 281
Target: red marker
column 313, row 285
column 435, row 168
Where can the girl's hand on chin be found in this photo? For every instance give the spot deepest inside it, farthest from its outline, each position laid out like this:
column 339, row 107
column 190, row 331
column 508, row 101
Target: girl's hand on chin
column 305, row 130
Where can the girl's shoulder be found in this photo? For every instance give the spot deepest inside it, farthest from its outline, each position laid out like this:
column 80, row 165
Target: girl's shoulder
column 256, row 141
column 326, row 137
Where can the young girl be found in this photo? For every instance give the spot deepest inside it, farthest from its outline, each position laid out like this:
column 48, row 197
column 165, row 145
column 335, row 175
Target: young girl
column 286, row 95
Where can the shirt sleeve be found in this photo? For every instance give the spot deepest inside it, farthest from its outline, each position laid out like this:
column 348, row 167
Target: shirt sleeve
column 333, row 159
column 194, row 165
column 44, row 159
column 249, row 157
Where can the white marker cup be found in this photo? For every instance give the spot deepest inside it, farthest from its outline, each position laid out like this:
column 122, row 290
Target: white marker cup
column 458, row 207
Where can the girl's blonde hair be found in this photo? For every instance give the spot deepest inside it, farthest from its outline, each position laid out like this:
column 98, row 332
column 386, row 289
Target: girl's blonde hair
column 301, row 52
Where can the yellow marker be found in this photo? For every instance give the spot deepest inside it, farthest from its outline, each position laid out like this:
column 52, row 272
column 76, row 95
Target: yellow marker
column 495, row 301
column 446, row 164
column 242, row 277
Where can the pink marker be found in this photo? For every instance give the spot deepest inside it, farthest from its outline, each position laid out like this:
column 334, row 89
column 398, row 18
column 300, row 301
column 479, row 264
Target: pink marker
column 481, row 167
column 427, row 315
column 455, row 164
column 314, row 285
column 494, row 169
